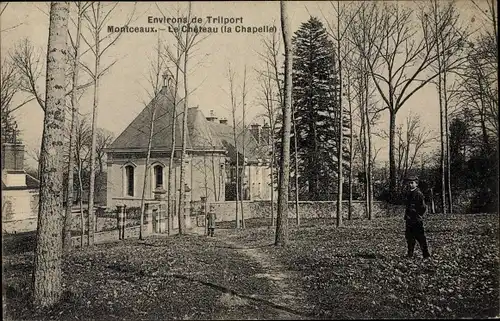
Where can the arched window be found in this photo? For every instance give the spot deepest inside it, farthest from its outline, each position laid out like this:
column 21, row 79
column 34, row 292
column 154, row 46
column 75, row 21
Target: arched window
column 129, row 180
column 158, row 175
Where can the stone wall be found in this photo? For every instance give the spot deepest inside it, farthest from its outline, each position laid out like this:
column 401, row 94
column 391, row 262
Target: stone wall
column 19, row 204
column 19, row 210
column 258, row 209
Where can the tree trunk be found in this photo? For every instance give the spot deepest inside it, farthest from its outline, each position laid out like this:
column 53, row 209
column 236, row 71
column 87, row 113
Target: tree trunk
column 242, row 195
column 340, row 177
column 441, row 111
column 146, row 169
column 282, row 215
column 47, row 274
column 296, row 176
column 80, row 199
column 92, row 218
column 237, row 178
column 442, row 140
column 351, row 146
column 392, row 151
column 369, row 174
column 366, row 159
column 171, row 175
column 447, row 137
column 74, row 110
column 182, row 192
column 272, row 163
column 273, row 155
column 214, row 177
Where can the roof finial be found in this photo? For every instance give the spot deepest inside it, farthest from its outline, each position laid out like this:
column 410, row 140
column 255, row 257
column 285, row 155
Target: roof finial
column 165, row 79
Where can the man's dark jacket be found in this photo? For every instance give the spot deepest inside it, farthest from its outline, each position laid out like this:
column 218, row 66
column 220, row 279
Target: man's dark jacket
column 415, row 206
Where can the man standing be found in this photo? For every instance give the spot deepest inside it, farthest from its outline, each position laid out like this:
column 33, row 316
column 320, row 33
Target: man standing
column 415, row 210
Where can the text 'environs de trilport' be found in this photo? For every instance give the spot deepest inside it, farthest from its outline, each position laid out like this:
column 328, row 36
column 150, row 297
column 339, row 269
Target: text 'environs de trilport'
column 208, row 24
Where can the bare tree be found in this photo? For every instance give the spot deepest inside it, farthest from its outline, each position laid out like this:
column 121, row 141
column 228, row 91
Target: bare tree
column 234, row 106
column 413, row 138
column 81, row 154
column 339, row 32
column 96, row 23
column 186, row 43
column 156, row 84
column 103, row 139
column 356, row 66
column 284, row 176
column 243, row 108
column 490, row 16
column 270, row 114
column 175, row 58
column 272, row 92
column 399, row 51
column 181, row 58
column 449, row 36
column 47, row 273
column 81, row 7
column 28, row 62
column 352, row 94
column 9, row 87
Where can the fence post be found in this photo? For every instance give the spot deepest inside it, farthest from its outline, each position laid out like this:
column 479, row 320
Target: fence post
column 154, row 219
column 187, row 206
column 204, row 214
column 119, row 220
column 124, row 225
column 148, row 222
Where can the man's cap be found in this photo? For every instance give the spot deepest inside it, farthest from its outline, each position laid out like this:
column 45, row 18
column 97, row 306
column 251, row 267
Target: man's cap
column 411, row 179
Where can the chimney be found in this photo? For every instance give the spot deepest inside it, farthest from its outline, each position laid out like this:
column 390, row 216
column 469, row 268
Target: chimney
column 13, row 156
column 255, row 130
column 266, row 134
column 212, row 117
column 223, row 121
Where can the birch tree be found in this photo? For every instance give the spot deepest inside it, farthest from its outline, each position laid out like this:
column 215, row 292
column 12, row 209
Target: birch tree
column 156, row 85
column 47, row 273
column 81, row 153
column 338, row 31
column 81, row 7
column 182, row 60
column 97, row 20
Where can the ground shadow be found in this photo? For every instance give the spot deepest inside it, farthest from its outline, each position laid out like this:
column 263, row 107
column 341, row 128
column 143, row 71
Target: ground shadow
column 18, row 243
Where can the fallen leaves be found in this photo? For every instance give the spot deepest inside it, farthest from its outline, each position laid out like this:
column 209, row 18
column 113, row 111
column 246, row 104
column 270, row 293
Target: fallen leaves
column 355, row 271
column 366, row 259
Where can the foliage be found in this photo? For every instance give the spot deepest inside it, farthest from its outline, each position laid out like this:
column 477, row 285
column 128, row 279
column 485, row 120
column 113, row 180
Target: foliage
column 361, row 264
column 474, row 164
column 315, row 109
column 174, row 278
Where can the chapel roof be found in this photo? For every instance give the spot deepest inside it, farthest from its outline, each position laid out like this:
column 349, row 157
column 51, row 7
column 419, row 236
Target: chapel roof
column 136, row 135
column 202, row 134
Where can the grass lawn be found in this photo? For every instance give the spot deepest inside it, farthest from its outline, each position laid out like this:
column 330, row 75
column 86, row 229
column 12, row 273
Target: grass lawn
column 356, row 271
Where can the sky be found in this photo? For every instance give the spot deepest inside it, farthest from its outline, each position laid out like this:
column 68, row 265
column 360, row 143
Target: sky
column 123, row 92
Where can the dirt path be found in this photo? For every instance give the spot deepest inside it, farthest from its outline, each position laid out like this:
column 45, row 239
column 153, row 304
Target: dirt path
column 288, row 296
